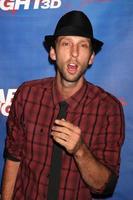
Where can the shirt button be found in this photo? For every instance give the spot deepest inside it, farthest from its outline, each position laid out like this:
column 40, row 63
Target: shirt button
column 41, row 130
column 47, row 175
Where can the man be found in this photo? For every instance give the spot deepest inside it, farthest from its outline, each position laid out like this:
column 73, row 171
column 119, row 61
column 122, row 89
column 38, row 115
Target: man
column 89, row 135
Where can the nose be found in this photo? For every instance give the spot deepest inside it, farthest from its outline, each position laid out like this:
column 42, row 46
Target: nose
column 75, row 51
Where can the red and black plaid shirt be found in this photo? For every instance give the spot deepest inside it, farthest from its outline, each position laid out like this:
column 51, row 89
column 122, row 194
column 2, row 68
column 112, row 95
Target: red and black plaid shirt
column 33, row 112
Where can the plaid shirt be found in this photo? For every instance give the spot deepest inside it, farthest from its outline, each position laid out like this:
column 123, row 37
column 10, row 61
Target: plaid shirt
column 33, row 111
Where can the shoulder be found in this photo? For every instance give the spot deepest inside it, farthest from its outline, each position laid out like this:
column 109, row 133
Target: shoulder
column 37, row 84
column 102, row 95
column 35, row 87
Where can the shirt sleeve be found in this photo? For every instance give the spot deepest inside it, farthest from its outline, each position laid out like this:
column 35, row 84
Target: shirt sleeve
column 114, row 136
column 108, row 150
column 15, row 132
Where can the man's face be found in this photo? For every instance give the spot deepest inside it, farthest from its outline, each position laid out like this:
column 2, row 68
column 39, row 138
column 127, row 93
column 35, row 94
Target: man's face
column 72, row 54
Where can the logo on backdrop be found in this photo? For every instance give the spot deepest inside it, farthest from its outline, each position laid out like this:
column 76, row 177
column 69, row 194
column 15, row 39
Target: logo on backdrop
column 15, row 5
column 6, row 101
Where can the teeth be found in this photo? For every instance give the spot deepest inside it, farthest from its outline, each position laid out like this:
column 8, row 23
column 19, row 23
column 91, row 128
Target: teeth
column 72, row 68
column 72, row 64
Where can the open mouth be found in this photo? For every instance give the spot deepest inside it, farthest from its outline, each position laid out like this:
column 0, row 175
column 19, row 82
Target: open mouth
column 72, row 68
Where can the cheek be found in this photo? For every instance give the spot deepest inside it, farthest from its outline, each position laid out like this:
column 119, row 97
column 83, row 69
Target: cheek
column 62, row 56
column 84, row 58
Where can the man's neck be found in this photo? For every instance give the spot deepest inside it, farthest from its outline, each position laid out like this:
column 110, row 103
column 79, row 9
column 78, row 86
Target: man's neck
column 67, row 89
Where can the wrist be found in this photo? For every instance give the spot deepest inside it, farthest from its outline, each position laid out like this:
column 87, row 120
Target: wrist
column 79, row 149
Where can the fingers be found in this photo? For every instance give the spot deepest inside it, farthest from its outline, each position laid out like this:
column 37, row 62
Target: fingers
column 67, row 125
column 60, row 141
column 58, row 135
column 61, row 129
column 66, row 134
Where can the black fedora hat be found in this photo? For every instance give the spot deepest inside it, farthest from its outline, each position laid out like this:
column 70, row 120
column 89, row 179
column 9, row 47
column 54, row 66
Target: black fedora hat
column 73, row 23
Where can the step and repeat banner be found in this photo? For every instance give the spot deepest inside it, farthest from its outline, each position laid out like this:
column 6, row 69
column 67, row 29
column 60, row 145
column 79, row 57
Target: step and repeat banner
column 23, row 25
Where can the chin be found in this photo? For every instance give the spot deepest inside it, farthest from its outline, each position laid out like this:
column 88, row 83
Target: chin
column 73, row 79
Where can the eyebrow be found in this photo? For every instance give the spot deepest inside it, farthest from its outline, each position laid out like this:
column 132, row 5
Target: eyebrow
column 64, row 37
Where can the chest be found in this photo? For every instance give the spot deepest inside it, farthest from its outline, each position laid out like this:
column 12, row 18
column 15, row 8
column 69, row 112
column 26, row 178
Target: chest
column 38, row 120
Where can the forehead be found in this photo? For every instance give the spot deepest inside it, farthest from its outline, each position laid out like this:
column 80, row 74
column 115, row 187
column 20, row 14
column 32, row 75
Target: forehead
column 73, row 38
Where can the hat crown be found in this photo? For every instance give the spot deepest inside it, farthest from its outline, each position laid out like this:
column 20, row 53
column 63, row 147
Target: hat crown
column 74, row 19
column 73, row 23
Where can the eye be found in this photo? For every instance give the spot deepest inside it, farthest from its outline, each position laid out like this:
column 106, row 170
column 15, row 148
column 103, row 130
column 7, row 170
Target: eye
column 84, row 45
column 65, row 44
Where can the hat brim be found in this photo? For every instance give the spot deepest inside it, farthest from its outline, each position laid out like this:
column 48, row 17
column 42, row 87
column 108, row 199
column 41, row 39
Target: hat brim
column 49, row 42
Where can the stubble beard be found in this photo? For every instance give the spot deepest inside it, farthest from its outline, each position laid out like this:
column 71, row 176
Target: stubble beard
column 70, row 77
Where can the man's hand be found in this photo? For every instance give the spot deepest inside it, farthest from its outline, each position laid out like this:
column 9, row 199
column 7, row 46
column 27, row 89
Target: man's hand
column 68, row 135
column 93, row 172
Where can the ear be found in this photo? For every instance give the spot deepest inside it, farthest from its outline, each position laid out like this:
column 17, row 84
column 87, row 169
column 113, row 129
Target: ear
column 91, row 60
column 52, row 54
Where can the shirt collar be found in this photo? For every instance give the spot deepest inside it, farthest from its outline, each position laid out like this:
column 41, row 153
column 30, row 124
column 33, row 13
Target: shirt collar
column 74, row 100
